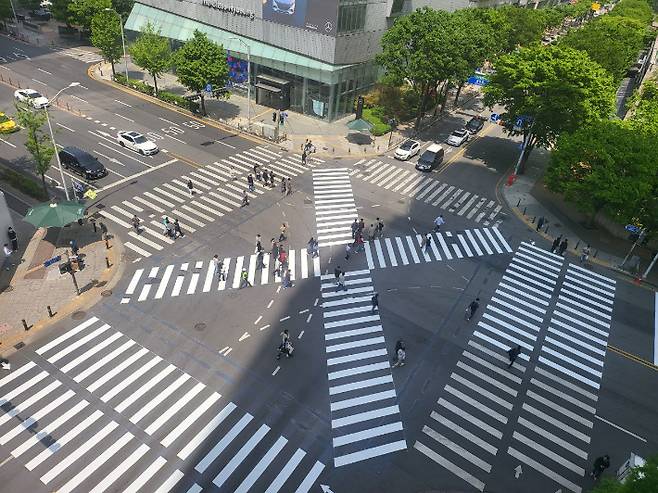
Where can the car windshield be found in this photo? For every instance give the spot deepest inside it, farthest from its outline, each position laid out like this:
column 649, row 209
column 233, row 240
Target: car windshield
column 473, row 123
column 459, row 133
column 427, row 156
column 34, row 95
column 140, row 139
column 407, row 145
column 90, row 163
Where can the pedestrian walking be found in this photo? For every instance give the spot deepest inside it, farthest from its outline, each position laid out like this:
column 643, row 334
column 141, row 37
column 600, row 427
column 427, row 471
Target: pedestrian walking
column 284, row 231
column 259, row 260
column 7, row 251
column 272, row 178
column 337, row 272
column 276, row 269
column 250, row 183
column 190, row 187
column 303, row 158
column 358, row 243
column 512, row 354
column 285, row 280
column 355, row 227
column 584, row 255
column 540, row 222
column 283, row 258
column 438, row 222
column 259, row 245
column 286, row 346
column 341, row 282
column 13, row 238
column 472, row 308
column 245, row 199
column 171, row 232
column 255, row 169
column 135, row 221
column 165, row 226
column 423, row 243
column 362, row 224
column 232, row 173
column 556, row 243
column 375, row 302
column 177, row 229
column 259, row 177
column 244, row 279
column 283, row 186
column 74, row 247
column 274, row 250
column 400, row 353
column 380, row 228
column 563, row 246
column 600, row 465
column 312, row 247
column 289, row 187
column 348, row 251
column 367, row 231
column 428, row 241
column 216, row 262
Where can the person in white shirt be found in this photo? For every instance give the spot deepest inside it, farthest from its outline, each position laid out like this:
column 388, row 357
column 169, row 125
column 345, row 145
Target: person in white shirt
column 8, row 251
column 438, row 222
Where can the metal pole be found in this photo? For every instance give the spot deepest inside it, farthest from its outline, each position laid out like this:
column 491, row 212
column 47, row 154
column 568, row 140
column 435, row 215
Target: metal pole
column 653, row 262
column 14, row 11
column 59, row 162
column 639, row 237
column 123, row 42
column 248, row 85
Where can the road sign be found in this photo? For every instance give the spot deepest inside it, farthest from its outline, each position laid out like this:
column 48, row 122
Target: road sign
column 494, row 117
column 209, row 87
column 51, row 261
column 632, row 228
column 478, row 80
column 90, row 194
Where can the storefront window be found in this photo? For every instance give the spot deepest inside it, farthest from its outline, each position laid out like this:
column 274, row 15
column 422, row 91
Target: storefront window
column 351, row 15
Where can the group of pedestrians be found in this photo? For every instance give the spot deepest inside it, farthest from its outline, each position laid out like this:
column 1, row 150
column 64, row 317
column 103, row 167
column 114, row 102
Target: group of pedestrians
column 362, row 233
column 286, row 186
column 559, row 245
column 307, row 148
column 169, row 228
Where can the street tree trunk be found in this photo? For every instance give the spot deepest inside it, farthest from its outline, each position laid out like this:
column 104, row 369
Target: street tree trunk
column 203, row 105
column 444, row 95
column 459, row 90
column 43, row 182
column 155, row 83
column 421, row 108
column 113, row 72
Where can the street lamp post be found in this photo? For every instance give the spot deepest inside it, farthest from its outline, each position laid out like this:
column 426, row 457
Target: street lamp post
column 52, row 136
column 123, row 40
column 14, row 11
column 248, row 79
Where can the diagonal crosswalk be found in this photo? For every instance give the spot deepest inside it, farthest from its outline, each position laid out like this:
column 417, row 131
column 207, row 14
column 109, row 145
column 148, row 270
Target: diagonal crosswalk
column 425, row 188
column 171, row 433
column 365, row 418
column 216, row 194
column 335, row 209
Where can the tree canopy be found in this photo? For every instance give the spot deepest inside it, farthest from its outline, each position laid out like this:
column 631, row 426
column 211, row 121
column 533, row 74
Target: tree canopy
column 38, row 144
column 636, row 9
column 151, row 52
column 83, row 11
column 641, row 480
column 555, row 89
column 60, row 10
column 5, row 10
column 199, row 62
column 106, row 35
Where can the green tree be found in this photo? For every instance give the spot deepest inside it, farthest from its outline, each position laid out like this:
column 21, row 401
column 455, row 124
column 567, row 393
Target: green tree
column 636, row 9
column 607, row 165
column 151, row 52
column 60, row 10
column 525, row 26
column 5, row 10
column 199, row 62
column 106, row 35
column 418, row 50
column 555, row 89
column 37, row 143
column 30, row 4
column 123, row 7
column 612, row 42
column 641, row 480
column 83, row 11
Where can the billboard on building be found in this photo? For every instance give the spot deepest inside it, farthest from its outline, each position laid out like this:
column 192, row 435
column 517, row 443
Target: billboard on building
column 313, row 15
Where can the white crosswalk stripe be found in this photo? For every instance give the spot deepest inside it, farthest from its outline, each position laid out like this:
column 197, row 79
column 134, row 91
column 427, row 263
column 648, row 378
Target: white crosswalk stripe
column 365, row 417
column 183, row 414
column 80, row 54
column 335, row 209
column 425, row 188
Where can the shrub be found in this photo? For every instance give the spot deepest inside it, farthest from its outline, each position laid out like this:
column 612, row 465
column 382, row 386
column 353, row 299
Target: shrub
column 25, row 184
column 374, row 116
column 138, row 85
column 170, row 97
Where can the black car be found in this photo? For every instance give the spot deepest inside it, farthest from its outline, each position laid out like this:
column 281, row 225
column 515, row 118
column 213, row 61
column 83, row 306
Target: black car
column 41, row 14
column 475, row 124
column 82, row 163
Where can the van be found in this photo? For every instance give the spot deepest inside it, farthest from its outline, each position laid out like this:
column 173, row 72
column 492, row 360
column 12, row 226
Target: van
column 431, row 158
column 82, row 163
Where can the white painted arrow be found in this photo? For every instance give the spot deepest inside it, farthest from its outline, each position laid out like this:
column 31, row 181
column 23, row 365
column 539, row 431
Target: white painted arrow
column 517, row 471
column 104, row 133
column 5, row 366
column 243, row 336
column 326, row 489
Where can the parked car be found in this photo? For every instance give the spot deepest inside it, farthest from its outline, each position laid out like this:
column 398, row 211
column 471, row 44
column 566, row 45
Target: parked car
column 407, row 150
column 41, row 14
column 136, row 142
column 458, row 137
column 32, row 97
column 475, row 124
column 82, row 163
column 284, row 6
column 431, row 158
column 7, row 125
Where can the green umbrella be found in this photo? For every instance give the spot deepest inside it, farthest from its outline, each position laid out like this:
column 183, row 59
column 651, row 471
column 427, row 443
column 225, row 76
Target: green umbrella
column 360, row 125
column 54, row 214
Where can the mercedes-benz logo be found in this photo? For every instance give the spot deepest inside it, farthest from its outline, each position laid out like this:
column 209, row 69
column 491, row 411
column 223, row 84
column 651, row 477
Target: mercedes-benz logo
column 328, row 26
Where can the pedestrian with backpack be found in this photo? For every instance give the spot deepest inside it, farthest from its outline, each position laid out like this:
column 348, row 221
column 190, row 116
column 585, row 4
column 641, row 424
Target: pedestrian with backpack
column 512, row 354
column 472, row 308
column 400, row 354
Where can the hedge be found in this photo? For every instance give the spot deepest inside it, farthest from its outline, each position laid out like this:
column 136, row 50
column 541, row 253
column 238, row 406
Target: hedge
column 376, row 116
column 25, row 184
column 166, row 96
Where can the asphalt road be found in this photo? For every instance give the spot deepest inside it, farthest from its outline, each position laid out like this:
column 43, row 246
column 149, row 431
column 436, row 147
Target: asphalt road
column 173, row 381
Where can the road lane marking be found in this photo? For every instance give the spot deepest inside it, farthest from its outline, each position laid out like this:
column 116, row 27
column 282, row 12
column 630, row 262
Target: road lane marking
column 39, row 82
column 124, row 117
column 44, row 71
column 79, row 99
column 125, row 104
column 655, row 338
column 8, row 143
column 135, row 176
column 64, row 126
column 178, row 140
column 621, row 429
column 168, row 121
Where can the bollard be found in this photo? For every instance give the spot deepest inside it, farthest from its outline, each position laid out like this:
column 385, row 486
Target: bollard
column 107, row 243
column 93, row 223
column 546, row 230
column 25, row 326
column 534, row 219
column 107, row 262
column 50, row 312
column 333, row 149
column 377, row 148
column 596, row 253
column 349, row 150
column 518, row 203
column 68, row 108
column 524, row 209
column 575, row 249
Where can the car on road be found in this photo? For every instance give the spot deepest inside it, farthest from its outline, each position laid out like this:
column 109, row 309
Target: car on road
column 458, row 137
column 7, row 125
column 82, row 163
column 407, row 150
column 431, row 158
column 475, row 124
column 32, row 97
column 136, row 142
column 41, row 14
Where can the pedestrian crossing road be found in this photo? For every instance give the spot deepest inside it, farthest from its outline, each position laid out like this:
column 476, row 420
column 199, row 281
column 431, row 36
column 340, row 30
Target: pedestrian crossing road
column 199, row 276
column 365, row 418
column 425, row 188
column 216, row 194
column 170, row 431
column 560, row 316
column 335, row 209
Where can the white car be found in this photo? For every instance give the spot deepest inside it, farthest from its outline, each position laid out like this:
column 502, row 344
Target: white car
column 136, row 142
column 458, row 137
column 407, row 150
column 32, row 97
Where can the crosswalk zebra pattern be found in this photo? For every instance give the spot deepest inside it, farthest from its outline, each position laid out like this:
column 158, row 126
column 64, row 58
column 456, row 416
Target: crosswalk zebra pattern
column 187, row 278
column 556, row 417
column 365, row 417
column 335, row 209
column 80, row 54
column 425, row 188
column 410, row 249
column 216, row 194
column 173, row 433
column 563, row 335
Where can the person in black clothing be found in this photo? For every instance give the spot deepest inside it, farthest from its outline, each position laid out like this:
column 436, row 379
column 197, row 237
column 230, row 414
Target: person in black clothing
column 177, row 230
column 556, row 243
column 375, row 302
column 600, row 465
column 512, row 354
column 472, row 308
column 13, row 238
column 563, row 247
column 250, row 182
column 337, row 272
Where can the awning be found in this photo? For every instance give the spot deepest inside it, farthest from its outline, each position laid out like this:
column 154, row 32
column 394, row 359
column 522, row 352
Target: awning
column 265, row 87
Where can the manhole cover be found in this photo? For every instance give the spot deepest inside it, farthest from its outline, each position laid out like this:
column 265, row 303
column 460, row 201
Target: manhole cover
column 106, row 293
column 78, row 315
column 20, row 345
column 208, row 143
column 200, row 326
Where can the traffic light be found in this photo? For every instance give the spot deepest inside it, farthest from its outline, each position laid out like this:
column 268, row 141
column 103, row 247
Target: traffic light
column 359, row 107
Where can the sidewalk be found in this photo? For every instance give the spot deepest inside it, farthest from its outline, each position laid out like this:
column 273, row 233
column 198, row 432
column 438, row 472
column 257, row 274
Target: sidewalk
column 529, row 199
column 27, row 288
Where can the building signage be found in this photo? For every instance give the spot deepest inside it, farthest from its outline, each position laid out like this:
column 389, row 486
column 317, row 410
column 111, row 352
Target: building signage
column 229, row 8
column 312, row 15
